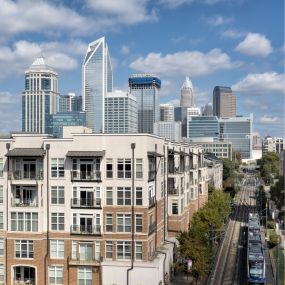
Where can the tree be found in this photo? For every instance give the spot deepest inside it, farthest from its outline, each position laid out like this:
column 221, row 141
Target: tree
column 277, row 193
column 269, row 165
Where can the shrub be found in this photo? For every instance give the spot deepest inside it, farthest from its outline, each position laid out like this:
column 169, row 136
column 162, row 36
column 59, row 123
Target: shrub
column 274, row 239
column 270, row 225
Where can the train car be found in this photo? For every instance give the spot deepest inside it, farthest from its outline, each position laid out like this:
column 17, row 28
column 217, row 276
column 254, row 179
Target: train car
column 255, row 254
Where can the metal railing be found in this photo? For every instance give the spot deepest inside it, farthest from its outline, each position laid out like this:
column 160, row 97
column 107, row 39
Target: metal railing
column 77, row 175
column 17, row 202
column 151, row 202
column 85, row 203
column 76, row 260
column 25, row 175
column 24, row 281
column 85, row 230
column 151, row 228
column 172, row 190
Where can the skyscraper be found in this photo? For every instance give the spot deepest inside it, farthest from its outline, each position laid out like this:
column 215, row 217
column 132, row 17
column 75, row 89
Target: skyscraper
column 97, row 79
column 40, row 98
column 166, row 112
column 224, row 102
column 70, row 103
column 207, row 110
column 145, row 87
column 187, row 95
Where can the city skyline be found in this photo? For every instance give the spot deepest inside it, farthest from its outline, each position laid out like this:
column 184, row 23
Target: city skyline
column 223, row 42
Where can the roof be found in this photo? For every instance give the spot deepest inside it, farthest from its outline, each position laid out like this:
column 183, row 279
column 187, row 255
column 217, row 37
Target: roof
column 155, row 154
column 25, row 152
column 187, row 84
column 85, row 153
column 40, row 63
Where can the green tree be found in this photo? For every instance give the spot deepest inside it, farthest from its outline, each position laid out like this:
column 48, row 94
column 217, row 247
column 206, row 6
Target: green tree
column 277, row 193
column 269, row 165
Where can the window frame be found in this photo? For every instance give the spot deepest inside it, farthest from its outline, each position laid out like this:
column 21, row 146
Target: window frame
column 56, row 269
column 57, row 167
column 58, row 226
column 57, row 190
column 59, row 251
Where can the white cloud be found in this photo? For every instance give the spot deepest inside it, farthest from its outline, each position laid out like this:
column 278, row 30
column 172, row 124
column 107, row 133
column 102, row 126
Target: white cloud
column 268, row 119
column 176, row 3
column 233, row 34
column 219, row 20
column 261, row 82
column 255, row 45
column 193, row 63
column 125, row 49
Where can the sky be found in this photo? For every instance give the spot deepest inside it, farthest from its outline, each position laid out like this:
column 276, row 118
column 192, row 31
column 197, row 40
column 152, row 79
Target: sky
column 235, row 43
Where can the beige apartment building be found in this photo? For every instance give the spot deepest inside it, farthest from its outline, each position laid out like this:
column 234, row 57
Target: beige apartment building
column 95, row 208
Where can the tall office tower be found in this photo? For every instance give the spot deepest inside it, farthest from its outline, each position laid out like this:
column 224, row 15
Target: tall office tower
column 224, row 102
column 168, row 130
column 40, row 98
column 145, row 87
column 202, row 127
column 193, row 111
column 187, row 94
column 207, row 110
column 97, row 76
column 166, row 112
column 70, row 103
column 121, row 113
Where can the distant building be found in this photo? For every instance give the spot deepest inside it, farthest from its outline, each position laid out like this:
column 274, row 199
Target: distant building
column 238, row 131
column 57, row 121
column 97, row 77
column 168, row 130
column 215, row 171
column 202, row 127
column 187, row 94
column 272, row 145
column 121, row 113
column 40, row 98
column 166, row 112
column 224, row 102
column 180, row 115
column 145, row 87
column 207, row 110
column 70, row 103
column 193, row 111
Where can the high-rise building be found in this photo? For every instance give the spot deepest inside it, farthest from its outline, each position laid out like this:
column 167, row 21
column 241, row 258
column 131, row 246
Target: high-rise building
column 187, row 94
column 180, row 115
column 168, row 130
column 193, row 111
column 121, row 113
column 145, row 87
column 272, row 144
column 224, row 102
column 207, row 110
column 40, row 98
column 166, row 112
column 238, row 130
column 202, row 127
column 70, row 103
column 97, row 79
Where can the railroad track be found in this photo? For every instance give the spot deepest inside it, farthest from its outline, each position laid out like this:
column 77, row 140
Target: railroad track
column 230, row 265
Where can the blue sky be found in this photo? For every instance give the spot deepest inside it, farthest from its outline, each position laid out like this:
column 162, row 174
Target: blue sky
column 237, row 43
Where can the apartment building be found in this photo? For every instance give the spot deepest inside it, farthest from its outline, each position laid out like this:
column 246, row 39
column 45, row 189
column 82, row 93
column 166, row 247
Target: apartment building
column 77, row 210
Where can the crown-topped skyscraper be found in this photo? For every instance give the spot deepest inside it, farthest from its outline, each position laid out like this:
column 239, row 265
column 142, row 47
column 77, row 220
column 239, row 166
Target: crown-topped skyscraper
column 187, row 94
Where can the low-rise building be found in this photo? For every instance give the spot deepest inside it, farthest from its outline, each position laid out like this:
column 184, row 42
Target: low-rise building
column 215, row 171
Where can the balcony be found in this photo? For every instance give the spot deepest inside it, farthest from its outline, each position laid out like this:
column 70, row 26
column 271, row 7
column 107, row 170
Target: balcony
column 151, row 202
column 25, row 175
column 151, row 175
column 85, row 230
column 24, row 282
column 77, row 175
column 17, row 202
column 151, row 228
column 172, row 190
column 76, row 260
column 86, row 203
column 174, row 170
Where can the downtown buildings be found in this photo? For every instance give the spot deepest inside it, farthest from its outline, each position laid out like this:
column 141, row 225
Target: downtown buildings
column 224, row 102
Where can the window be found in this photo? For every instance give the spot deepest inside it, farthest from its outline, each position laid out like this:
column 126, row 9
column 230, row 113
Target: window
column 139, row 168
column 109, row 196
column 162, row 166
column 124, row 196
column 1, row 167
column 139, row 199
column 123, row 222
column 57, row 167
column 192, row 193
column 124, row 168
column 139, row 250
column 2, row 273
column 1, row 195
column 1, row 246
column 109, row 222
column 174, row 206
column 24, row 222
column 84, row 276
column 24, row 248
column 55, row 274
column 57, row 248
column 123, row 250
column 57, row 221
column 57, row 195
column 109, row 168
column 139, row 223
column 109, row 249
column 1, row 221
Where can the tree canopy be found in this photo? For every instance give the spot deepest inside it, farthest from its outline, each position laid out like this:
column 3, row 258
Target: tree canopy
column 269, row 165
column 277, row 193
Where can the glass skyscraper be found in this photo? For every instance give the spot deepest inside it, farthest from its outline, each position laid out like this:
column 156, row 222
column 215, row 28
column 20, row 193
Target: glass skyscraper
column 202, row 127
column 145, row 87
column 70, row 103
column 97, row 76
column 40, row 98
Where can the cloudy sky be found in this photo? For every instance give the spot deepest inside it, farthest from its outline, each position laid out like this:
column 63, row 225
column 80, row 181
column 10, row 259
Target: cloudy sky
column 237, row 43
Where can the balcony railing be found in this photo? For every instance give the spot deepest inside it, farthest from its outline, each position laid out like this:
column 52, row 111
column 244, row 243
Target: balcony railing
column 85, row 230
column 151, row 228
column 151, row 175
column 25, row 175
column 77, row 175
column 85, row 203
column 174, row 170
column 17, row 202
column 76, row 260
column 151, row 202
column 173, row 190
column 26, row 281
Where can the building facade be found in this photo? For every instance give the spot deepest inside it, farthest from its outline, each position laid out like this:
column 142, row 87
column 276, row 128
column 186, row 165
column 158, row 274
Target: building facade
column 207, row 110
column 272, row 145
column 97, row 77
column 202, row 127
column 40, row 98
column 70, row 103
column 180, row 115
column 121, row 113
column 145, row 87
column 224, row 102
column 166, row 112
column 187, row 94
column 78, row 210
column 168, row 130
column 215, row 171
